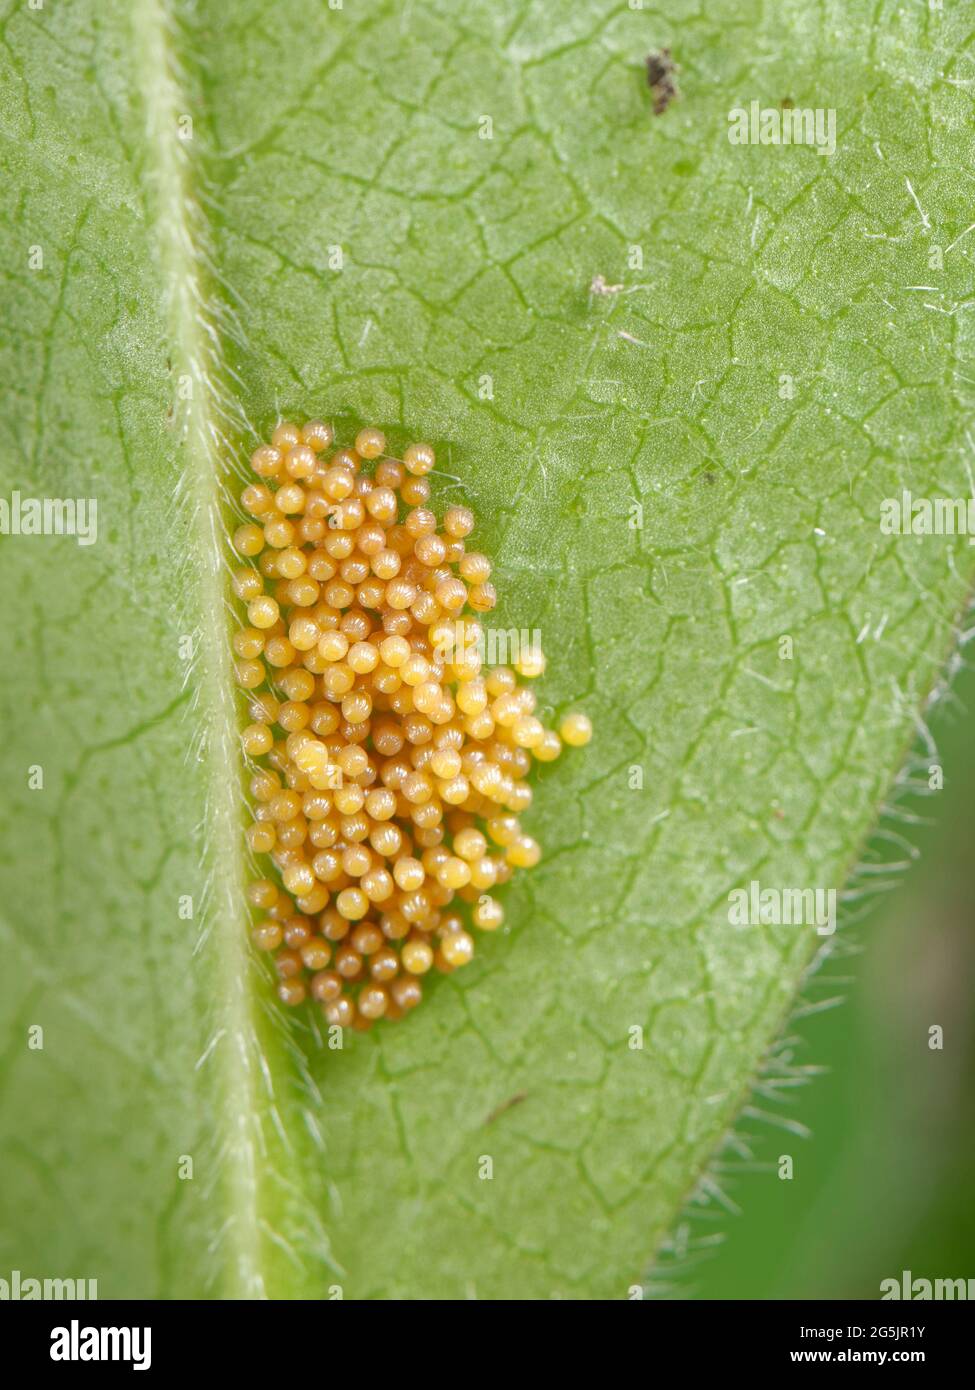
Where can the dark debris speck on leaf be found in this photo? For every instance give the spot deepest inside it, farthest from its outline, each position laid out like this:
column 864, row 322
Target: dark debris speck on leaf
column 661, row 79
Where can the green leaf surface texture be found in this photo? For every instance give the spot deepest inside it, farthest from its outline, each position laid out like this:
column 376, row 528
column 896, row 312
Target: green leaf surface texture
column 462, row 312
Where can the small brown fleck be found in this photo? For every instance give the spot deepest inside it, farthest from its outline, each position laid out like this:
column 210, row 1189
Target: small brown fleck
column 661, row 79
column 787, row 103
column 506, row 1105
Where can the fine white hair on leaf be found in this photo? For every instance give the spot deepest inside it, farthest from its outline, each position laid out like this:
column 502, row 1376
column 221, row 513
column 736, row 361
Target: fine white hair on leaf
column 779, row 1075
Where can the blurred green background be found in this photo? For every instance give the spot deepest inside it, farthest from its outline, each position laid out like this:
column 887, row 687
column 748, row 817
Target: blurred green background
column 884, row 1182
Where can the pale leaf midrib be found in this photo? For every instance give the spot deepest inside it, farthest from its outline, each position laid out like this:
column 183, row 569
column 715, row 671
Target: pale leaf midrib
column 181, row 233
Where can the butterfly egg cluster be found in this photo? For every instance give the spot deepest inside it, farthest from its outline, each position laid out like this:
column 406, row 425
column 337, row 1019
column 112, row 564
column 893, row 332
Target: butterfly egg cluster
column 389, row 765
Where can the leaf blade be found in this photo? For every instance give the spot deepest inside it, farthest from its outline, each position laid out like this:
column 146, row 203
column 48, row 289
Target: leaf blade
column 468, row 258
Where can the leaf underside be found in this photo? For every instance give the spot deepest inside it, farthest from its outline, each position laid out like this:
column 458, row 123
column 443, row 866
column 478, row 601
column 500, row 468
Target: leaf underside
column 462, row 314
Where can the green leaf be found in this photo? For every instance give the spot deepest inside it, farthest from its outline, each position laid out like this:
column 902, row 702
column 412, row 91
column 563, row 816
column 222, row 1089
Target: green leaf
column 461, row 313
